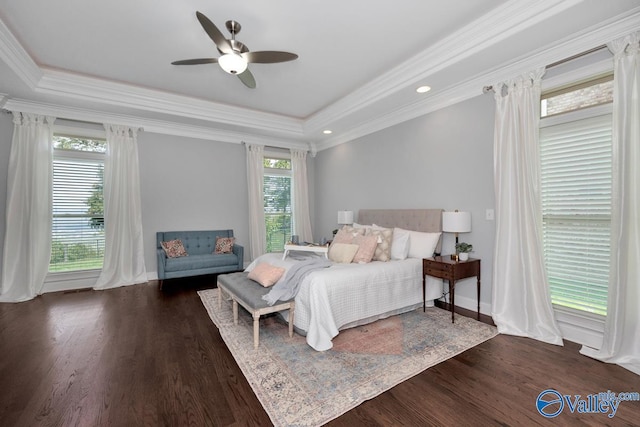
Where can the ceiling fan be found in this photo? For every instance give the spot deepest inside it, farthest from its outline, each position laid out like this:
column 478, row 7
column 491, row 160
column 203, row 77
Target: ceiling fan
column 235, row 55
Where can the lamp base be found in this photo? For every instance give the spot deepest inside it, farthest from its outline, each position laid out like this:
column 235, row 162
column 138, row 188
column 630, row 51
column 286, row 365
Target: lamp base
column 454, row 257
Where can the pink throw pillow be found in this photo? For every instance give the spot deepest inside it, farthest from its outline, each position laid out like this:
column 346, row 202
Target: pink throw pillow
column 266, row 274
column 344, row 236
column 224, row 245
column 174, row 248
column 366, row 248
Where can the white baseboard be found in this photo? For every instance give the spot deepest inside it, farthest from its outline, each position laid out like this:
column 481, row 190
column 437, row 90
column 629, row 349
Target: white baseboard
column 57, row 282
column 581, row 329
column 471, row 304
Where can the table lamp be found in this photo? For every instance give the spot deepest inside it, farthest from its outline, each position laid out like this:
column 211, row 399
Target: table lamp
column 456, row 222
column 345, row 217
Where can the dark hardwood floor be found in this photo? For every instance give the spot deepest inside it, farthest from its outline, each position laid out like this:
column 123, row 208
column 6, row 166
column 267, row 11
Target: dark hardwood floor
column 138, row 356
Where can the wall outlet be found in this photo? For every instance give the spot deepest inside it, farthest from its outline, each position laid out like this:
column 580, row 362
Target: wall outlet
column 490, row 215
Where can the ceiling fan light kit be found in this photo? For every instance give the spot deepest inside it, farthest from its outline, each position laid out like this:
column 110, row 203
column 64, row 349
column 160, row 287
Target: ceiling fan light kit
column 235, row 57
column 232, row 63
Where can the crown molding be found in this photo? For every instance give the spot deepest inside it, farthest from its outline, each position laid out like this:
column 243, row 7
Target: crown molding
column 479, row 35
column 597, row 35
column 405, row 113
column 87, row 88
column 584, row 40
column 152, row 125
column 14, row 55
column 75, row 86
column 487, row 29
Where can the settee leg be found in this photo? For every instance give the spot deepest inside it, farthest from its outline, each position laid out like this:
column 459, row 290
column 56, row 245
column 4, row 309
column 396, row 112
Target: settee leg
column 161, row 281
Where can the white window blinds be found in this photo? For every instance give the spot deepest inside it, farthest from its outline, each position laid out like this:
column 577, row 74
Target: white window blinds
column 277, row 203
column 78, row 215
column 576, row 209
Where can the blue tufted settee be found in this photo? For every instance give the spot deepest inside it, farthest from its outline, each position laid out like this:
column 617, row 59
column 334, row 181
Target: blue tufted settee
column 200, row 246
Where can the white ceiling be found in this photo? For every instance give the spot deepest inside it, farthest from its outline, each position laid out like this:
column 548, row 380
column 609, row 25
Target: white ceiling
column 359, row 61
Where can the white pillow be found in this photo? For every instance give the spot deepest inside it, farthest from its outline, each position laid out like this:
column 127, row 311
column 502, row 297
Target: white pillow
column 400, row 244
column 422, row 245
column 360, row 226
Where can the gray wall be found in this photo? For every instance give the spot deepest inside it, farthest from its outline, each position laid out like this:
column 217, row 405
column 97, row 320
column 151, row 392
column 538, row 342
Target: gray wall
column 441, row 160
column 185, row 184
column 191, row 184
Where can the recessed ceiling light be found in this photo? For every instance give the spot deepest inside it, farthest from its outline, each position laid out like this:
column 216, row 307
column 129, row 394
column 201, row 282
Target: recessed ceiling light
column 327, row 132
column 423, row 89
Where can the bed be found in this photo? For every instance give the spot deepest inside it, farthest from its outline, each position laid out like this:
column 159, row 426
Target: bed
column 347, row 295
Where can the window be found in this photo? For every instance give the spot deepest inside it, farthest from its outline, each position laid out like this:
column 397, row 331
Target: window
column 576, row 201
column 78, row 209
column 277, row 202
column 578, row 96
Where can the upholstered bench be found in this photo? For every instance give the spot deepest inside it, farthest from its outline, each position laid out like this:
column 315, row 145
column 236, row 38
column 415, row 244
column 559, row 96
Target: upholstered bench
column 248, row 294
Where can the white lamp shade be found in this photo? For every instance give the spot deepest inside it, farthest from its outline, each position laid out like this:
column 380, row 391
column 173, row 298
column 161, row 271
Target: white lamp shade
column 456, row 222
column 345, row 217
column 232, row 63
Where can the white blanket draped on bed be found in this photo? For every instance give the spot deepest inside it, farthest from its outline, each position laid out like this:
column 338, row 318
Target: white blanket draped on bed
column 347, row 295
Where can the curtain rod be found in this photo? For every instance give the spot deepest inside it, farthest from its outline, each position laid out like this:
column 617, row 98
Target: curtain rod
column 489, row 88
column 266, row 146
column 138, row 128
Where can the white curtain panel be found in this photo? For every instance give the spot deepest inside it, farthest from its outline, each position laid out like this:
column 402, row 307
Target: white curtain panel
column 255, row 181
column 124, row 249
column 521, row 302
column 301, row 215
column 621, row 343
column 27, row 243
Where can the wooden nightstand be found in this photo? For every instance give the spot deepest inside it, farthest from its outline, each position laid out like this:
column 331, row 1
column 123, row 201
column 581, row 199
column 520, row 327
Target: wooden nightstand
column 444, row 267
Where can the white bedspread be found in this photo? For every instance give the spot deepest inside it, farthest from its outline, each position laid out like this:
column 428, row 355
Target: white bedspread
column 345, row 295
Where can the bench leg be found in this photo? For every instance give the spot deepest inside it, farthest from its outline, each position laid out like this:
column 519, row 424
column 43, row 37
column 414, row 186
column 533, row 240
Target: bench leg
column 291, row 314
column 235, row 311
column 256, row 330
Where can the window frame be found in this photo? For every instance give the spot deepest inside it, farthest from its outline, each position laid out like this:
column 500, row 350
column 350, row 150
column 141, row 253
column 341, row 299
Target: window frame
column 576, row 325
column 573, row 87
column 269, row 154
column 77, row 279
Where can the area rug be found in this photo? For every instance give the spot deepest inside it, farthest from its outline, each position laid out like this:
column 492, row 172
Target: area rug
column 299, row 386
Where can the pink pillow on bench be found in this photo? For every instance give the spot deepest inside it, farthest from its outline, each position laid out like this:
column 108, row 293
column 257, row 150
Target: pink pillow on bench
column 266, row 274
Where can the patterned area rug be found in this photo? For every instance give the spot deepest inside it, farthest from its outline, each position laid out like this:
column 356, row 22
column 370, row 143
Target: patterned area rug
column 299, row 386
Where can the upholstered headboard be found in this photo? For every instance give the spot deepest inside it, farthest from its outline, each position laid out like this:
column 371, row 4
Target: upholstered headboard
column 427, row 220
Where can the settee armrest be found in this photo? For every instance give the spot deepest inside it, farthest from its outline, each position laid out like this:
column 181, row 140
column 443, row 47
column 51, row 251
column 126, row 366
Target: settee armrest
column 162, row 258
column 239, row 251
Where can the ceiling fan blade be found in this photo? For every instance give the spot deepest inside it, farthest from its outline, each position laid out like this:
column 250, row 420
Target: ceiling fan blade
column 268, row 57
column 196, row 61
column 247, row 78
column 218, row 38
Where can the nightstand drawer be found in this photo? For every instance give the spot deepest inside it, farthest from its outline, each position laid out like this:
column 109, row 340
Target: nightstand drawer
column 442, row 274
column 438, row 269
